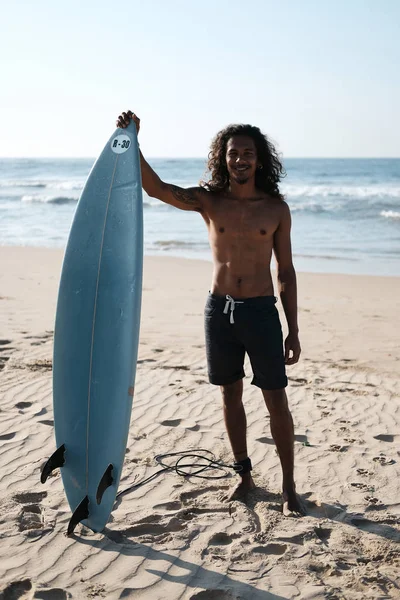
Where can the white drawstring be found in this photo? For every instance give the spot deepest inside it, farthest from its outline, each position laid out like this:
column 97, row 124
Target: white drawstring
column 230, row 304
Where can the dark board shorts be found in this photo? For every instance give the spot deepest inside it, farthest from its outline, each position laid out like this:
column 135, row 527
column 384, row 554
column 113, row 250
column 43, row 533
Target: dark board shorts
column 236, row 326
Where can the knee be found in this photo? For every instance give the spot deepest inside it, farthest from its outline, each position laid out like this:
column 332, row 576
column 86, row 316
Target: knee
column 232, row 393
column 276, row 401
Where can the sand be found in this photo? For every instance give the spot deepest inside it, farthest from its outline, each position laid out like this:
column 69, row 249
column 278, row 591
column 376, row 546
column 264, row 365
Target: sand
column 178, row 538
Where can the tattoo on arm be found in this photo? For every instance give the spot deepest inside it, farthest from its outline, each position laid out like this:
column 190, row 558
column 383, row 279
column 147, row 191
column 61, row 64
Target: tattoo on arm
column 184, row 196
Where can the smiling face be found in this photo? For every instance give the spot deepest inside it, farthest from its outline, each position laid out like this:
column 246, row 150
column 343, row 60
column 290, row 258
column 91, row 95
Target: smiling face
column 241, row 158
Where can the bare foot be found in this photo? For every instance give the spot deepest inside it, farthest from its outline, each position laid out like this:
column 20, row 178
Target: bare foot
column 293, row 506
column 243, row 488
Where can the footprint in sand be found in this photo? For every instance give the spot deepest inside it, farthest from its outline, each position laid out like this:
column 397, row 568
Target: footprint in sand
column 363, row 472
column 31, row 517
column 383, row 460
column 271, row 549
column 220, row 539
column 16, row 590
column 155, row 528
column 30, row 497
column 336, row 448
column 216, row 547
column 360, row 486
column 372, row 500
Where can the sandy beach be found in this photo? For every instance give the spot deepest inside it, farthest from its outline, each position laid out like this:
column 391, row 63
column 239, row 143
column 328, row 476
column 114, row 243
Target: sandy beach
column 178, row 538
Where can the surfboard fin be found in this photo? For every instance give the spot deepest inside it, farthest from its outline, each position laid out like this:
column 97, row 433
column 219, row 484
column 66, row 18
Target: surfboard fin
column 80, row 513
column 57, row 459
column 105, row 482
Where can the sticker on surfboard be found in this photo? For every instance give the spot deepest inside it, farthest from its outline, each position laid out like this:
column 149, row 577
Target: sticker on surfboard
column 120, row 144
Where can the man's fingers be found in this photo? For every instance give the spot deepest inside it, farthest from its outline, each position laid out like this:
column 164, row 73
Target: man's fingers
column 125, row 118
column 293, row 360
column 295, row 353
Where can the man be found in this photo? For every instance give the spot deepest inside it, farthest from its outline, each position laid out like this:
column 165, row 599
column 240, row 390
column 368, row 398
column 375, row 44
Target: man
column 247, row 219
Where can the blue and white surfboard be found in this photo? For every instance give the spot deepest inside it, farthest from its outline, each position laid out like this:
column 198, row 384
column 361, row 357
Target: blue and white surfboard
column 97, row 332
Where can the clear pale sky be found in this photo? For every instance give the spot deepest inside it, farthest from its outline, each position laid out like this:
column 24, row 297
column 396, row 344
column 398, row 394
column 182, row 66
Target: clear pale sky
column 320, row 77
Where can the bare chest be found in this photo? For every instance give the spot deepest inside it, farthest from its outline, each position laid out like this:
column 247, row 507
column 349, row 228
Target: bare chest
column 252, row 221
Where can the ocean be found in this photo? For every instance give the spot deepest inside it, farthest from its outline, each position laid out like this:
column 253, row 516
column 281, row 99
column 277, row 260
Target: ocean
column 345, row 212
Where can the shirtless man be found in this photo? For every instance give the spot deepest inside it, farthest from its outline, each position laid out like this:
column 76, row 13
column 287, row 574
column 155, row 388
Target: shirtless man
column 247, row 219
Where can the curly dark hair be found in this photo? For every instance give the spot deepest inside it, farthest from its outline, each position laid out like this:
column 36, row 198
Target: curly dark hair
column 267, row 178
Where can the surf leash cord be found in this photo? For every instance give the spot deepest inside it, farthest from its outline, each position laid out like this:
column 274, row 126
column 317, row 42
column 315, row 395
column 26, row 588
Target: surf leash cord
column 192, row 463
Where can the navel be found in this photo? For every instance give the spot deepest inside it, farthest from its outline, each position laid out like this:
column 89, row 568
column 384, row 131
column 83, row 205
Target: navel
column 262, row 231
column 239, row 281
column 221, row 229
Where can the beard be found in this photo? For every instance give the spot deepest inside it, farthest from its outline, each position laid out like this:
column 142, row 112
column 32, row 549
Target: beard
column 241, row 179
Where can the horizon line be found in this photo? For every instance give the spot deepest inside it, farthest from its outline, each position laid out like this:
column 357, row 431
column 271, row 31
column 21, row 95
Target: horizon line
column 202, row 158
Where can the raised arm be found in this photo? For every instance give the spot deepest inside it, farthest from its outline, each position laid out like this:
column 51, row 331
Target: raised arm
column 183, row 198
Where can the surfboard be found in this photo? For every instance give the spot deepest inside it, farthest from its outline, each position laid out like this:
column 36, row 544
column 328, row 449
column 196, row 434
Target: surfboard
column 96, row 332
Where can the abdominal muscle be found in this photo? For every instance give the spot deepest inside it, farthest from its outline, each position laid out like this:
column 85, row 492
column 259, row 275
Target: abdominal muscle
column 245, row 276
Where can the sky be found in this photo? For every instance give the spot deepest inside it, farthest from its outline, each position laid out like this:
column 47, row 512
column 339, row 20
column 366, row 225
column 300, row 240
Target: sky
column 320, row 78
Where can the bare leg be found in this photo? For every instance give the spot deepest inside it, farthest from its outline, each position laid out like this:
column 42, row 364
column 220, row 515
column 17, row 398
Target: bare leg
column 235, row 422
column 283, row 433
